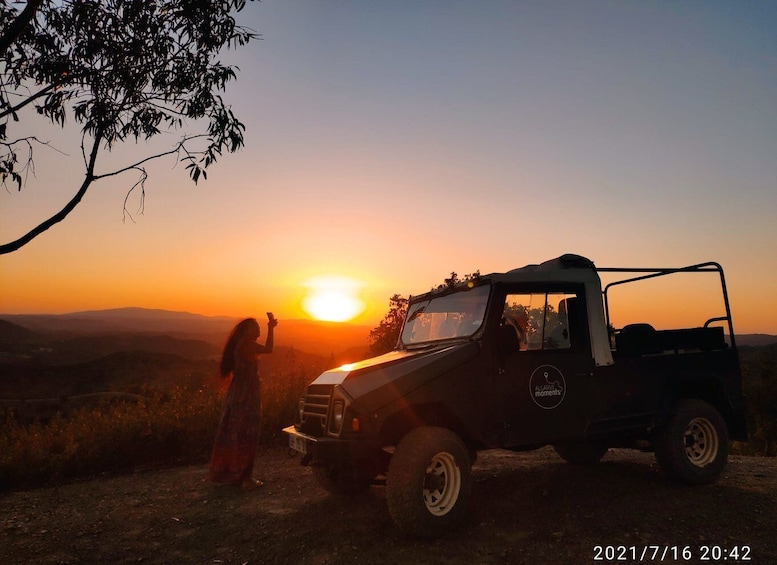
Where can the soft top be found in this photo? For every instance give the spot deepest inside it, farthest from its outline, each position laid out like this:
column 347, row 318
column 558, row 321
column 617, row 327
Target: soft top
column 569, row 267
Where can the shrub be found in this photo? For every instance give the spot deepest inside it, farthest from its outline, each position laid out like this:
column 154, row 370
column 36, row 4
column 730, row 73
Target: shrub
column 162, row 428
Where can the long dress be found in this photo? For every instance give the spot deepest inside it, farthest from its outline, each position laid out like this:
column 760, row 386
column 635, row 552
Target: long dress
column 237, row 436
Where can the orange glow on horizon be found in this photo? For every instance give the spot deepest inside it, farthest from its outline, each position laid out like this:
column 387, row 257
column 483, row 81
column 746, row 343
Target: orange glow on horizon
column 43, row 280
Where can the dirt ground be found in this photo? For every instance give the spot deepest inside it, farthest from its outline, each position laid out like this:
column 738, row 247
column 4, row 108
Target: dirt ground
column 526, row 508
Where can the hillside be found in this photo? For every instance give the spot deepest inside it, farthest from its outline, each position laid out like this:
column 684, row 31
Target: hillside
column 131, row 349
column 321, row 338
column 756, row 340
column 10, row 332
column 122, row 371
column 56, row 360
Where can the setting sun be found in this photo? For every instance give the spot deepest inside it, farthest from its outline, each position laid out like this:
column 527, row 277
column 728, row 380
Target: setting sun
column 333, row 299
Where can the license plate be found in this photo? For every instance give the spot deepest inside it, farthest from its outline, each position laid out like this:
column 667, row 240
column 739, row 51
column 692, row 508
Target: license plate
column 298, row 443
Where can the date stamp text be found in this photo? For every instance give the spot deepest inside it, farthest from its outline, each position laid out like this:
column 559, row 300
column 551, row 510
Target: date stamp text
column 671, row 553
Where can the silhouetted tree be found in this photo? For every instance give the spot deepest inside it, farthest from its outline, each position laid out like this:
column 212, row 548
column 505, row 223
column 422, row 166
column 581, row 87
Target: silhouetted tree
column 384, row 337
column 123, row 70
column 454, row 280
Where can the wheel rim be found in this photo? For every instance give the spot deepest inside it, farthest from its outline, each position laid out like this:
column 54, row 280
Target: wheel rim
column 701, row 442
column 442, row 484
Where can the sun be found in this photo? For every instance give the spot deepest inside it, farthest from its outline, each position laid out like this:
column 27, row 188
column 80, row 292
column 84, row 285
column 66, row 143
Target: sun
column 333, row 299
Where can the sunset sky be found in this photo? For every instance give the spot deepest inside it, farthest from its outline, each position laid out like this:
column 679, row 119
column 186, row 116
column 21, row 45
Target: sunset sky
column 390, row 143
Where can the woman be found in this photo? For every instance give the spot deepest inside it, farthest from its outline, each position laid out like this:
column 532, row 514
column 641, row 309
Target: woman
column 237, row 438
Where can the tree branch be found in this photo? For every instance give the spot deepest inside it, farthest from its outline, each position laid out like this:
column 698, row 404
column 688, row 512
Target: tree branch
column 30, row 99
column 142, row 184
column 139, row 164
column 62, row 214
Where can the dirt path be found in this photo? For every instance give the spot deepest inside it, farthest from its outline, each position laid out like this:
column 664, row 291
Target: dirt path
column 526, row 508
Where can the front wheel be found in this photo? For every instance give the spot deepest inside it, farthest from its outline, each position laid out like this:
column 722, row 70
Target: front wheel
column 692, row 447
column 428, row 482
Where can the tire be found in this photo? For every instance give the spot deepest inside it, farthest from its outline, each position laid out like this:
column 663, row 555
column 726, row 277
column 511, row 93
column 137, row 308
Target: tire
column 428, row 482
column 692, row 447
column 340, row 482
column 580, row 452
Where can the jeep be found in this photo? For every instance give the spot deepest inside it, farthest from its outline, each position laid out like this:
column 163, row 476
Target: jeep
column 520, row 360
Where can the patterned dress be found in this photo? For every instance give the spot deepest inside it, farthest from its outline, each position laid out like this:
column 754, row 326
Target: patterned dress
column 237, row 437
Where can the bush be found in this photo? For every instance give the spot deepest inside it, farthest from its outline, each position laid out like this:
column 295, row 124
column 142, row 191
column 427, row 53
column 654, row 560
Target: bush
column 759, row 375
column 113, row 437
column 280, row 395
column 161, row 429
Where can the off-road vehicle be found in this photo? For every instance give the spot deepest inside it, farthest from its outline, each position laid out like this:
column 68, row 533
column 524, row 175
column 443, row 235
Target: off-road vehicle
column 520, row 360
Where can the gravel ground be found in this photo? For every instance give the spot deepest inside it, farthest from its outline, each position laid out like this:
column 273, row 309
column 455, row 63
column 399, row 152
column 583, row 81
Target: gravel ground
column 525, row 508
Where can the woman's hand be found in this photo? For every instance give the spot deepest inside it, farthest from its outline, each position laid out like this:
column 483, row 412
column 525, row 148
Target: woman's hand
column 271, row 321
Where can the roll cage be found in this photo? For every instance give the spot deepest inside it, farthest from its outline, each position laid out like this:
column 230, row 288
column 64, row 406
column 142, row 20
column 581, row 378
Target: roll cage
column 650, row 273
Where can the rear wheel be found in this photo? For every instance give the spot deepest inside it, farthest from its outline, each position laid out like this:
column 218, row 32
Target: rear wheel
column 428, row 482
column 692, row 447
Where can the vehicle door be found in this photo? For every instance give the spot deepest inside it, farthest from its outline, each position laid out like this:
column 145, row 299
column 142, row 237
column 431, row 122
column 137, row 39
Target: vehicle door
column 542, row 361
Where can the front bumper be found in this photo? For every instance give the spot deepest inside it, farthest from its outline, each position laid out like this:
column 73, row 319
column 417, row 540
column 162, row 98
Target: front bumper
column 328, row 450
column 299, row 442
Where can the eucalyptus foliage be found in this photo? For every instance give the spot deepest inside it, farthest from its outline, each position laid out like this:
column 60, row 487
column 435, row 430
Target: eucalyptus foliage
column 384, row 337
column 123, row 70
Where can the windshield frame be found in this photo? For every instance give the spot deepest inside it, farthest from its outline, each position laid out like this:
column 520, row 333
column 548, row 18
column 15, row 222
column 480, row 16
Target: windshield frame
column 443, row 316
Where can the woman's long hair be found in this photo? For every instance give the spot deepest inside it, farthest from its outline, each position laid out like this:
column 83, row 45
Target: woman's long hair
column 228, row 356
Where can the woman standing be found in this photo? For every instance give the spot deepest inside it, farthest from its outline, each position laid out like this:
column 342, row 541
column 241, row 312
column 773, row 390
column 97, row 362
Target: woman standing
column 237, row 437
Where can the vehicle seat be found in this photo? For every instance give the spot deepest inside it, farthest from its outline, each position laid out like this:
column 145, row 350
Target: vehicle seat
column 507, row 339
column 578, row 331
column 637, row 339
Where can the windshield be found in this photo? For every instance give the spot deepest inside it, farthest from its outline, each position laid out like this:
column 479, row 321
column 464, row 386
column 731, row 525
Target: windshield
column 459, row 314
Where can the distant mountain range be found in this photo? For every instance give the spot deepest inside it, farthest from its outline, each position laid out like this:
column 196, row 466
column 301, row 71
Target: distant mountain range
column 755, row 340
column 134, row 349
column 320, row 338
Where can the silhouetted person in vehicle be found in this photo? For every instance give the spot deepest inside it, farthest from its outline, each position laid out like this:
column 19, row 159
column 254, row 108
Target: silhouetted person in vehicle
column 237, row 438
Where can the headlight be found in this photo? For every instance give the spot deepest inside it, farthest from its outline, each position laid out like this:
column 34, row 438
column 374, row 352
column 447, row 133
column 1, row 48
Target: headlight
column 338, row 413
column 340, row 403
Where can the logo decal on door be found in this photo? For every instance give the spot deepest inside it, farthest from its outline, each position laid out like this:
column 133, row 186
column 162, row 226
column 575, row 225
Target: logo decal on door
column 547, row 387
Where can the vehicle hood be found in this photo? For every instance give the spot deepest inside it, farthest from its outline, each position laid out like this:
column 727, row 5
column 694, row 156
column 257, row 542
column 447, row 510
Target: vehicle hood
column 375, row 382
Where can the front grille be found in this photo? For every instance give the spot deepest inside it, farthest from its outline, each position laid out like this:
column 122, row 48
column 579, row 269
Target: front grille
column 315, row 410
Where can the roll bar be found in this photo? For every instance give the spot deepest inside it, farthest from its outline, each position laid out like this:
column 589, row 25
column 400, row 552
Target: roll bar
column 707, row 267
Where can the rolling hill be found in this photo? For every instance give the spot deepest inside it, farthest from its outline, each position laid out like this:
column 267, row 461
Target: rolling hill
column 321, row 338
column 131, row 349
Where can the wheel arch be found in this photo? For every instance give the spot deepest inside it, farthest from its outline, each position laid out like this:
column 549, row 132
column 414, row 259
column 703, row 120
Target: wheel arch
column 399, row 424
column 708, row 388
